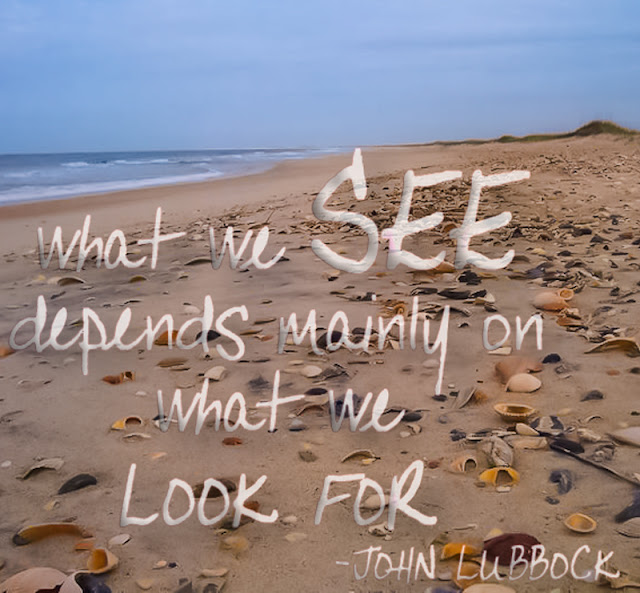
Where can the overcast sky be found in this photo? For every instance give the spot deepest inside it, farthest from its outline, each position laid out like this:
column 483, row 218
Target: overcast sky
column 80, row 75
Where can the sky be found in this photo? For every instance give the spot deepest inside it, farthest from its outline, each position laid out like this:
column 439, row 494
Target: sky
column 98, row 75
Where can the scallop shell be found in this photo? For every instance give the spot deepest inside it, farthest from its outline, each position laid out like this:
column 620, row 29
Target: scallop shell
column 33, row 580
column 580, row 523
column 514, row 412
column 549, row 301
column 500, row 476
column 524, row 383
column 101, row 560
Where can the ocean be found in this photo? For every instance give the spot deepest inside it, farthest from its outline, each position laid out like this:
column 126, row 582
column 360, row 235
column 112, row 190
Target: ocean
column 33, row 177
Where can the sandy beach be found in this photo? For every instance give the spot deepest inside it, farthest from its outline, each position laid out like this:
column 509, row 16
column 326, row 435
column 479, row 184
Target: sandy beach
column 575, row 227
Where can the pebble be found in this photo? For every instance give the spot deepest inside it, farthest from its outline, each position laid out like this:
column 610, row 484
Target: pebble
column 213, row 572
column 145, row 584
column 297, row 425
column 289, row 520
column 5, row 464
column 216, row 373
column 310, row 371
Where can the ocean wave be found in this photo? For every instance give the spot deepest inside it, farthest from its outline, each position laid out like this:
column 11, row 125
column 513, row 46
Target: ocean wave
column 33, row 193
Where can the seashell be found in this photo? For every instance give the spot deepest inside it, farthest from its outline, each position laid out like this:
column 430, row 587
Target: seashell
column 500, row 476
column 464, row 463
column 514, row 412
column 216, row 373
column 119, row 540
column 135, row 436
column 166, row 338
column 549, row 301
column 499, row 453
column 471, row 573
column 83, row 582
column 77, row 482
column 68, row 280
column 310, row 371
column 166, row 363
column 630, row 528
column 565, row 293
column 380, row 530
column 365, row 456
column 584, row 434
column 121, row 378
column 628, row 345
column 548, row 424
column 489, row 588
column 532, row 443
column 137, row 278
column 236, row 544
column 86, row 544
column 127, row 422
column 628, row 436
column 580, row 523
column 34, row 533
column 526, row 430
column 54, row 463
column 6, row 351
column 198, row 261
column 101, row 560
column 33, row 580
column 460, row 549
column 232, row 441
column 514, row 365
column 524, row 383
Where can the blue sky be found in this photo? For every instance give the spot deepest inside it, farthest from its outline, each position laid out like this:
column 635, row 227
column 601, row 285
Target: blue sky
column 100, row 75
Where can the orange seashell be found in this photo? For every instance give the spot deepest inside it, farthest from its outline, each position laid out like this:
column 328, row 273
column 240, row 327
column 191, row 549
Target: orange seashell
column 565, row 293
column 471, row 572
column 580, row 523
column 163, row 339
column 34, row 533
column 126, row 422
column 549, row 301
column 232, row 441
column 500, row 476
column 6, row 351
column 514, row 412
column 458, row 549
column 101, row 560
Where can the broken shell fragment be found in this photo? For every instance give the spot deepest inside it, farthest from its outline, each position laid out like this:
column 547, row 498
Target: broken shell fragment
column 365, row 456
column 460, row 549
column 101, row 560
column 121, row 378
column 524, row 383
column 580, row 523
column 514, row 412
column 54, row 463
column 34, row 533
column 126, row 422
column 464, row 463
column 628, row 345
column 630, row 528
column 500, row 476
column 33, row 580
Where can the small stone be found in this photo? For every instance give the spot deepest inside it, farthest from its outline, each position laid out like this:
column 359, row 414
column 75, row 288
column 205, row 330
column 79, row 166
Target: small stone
column 373, row 502
column 160, row 564
column 5, row 464
column 551, row 358
column 144, row 584
column 297, row 425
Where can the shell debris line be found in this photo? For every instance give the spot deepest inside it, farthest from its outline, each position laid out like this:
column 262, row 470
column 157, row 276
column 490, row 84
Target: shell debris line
column 530, row 439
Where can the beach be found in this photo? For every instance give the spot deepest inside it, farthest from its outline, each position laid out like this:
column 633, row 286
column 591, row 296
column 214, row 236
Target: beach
column 575, row 227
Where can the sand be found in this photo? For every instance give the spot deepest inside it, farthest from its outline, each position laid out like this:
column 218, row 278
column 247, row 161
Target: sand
column 575, row 225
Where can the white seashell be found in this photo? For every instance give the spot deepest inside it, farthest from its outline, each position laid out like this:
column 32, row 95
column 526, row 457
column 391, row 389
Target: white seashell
column 524, row 383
